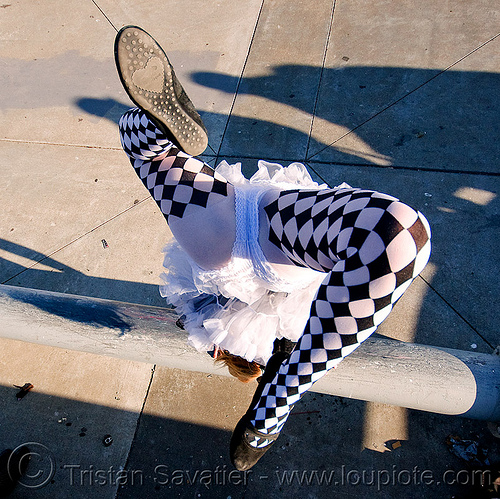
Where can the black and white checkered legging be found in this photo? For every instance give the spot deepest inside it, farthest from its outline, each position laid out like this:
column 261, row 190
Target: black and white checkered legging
column 173, row 178
column 370, row 245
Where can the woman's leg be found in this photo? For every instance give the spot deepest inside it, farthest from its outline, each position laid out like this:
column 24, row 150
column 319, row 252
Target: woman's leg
column 372, row 246
column 197, row 202
column 161, row 137
column 174, row 179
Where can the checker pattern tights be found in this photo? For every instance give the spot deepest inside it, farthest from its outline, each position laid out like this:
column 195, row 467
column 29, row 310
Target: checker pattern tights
column 174, row 179
column 370, row 246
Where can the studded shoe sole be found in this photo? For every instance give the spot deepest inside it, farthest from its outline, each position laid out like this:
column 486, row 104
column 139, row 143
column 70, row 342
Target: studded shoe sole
column 150, row 82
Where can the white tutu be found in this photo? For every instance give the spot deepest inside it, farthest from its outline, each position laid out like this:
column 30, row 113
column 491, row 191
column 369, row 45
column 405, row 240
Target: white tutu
column 245, row 306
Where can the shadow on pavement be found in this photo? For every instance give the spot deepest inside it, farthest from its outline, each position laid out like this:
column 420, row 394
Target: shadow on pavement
column 433, row 148
column 314, row 457
column 409, row 116
column 61, row 278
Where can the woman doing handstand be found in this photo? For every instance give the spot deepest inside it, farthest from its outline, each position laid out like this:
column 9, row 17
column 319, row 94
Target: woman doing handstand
column 320, row 266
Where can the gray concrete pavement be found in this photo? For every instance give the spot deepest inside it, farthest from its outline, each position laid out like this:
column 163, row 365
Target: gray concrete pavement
column 396, row 96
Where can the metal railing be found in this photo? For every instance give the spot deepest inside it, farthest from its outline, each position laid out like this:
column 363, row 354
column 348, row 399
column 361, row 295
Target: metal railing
column 382, row 370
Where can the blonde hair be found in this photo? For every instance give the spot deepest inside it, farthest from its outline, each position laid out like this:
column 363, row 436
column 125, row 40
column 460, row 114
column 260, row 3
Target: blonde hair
column 239, row 367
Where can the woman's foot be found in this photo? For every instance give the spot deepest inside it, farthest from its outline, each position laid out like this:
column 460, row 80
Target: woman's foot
column 248, row 444
column 149, row 80
column 244, row 455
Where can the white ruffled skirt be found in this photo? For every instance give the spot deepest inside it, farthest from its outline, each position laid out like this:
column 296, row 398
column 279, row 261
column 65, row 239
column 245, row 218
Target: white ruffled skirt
column 245, row 306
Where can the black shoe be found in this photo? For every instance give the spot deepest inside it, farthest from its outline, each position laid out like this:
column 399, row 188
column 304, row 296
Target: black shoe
column 283, row 345
column 243, row 455
column 150, row 81
column 13, row 465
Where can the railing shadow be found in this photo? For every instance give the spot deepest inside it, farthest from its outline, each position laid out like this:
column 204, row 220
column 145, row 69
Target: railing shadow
column 77, row 283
